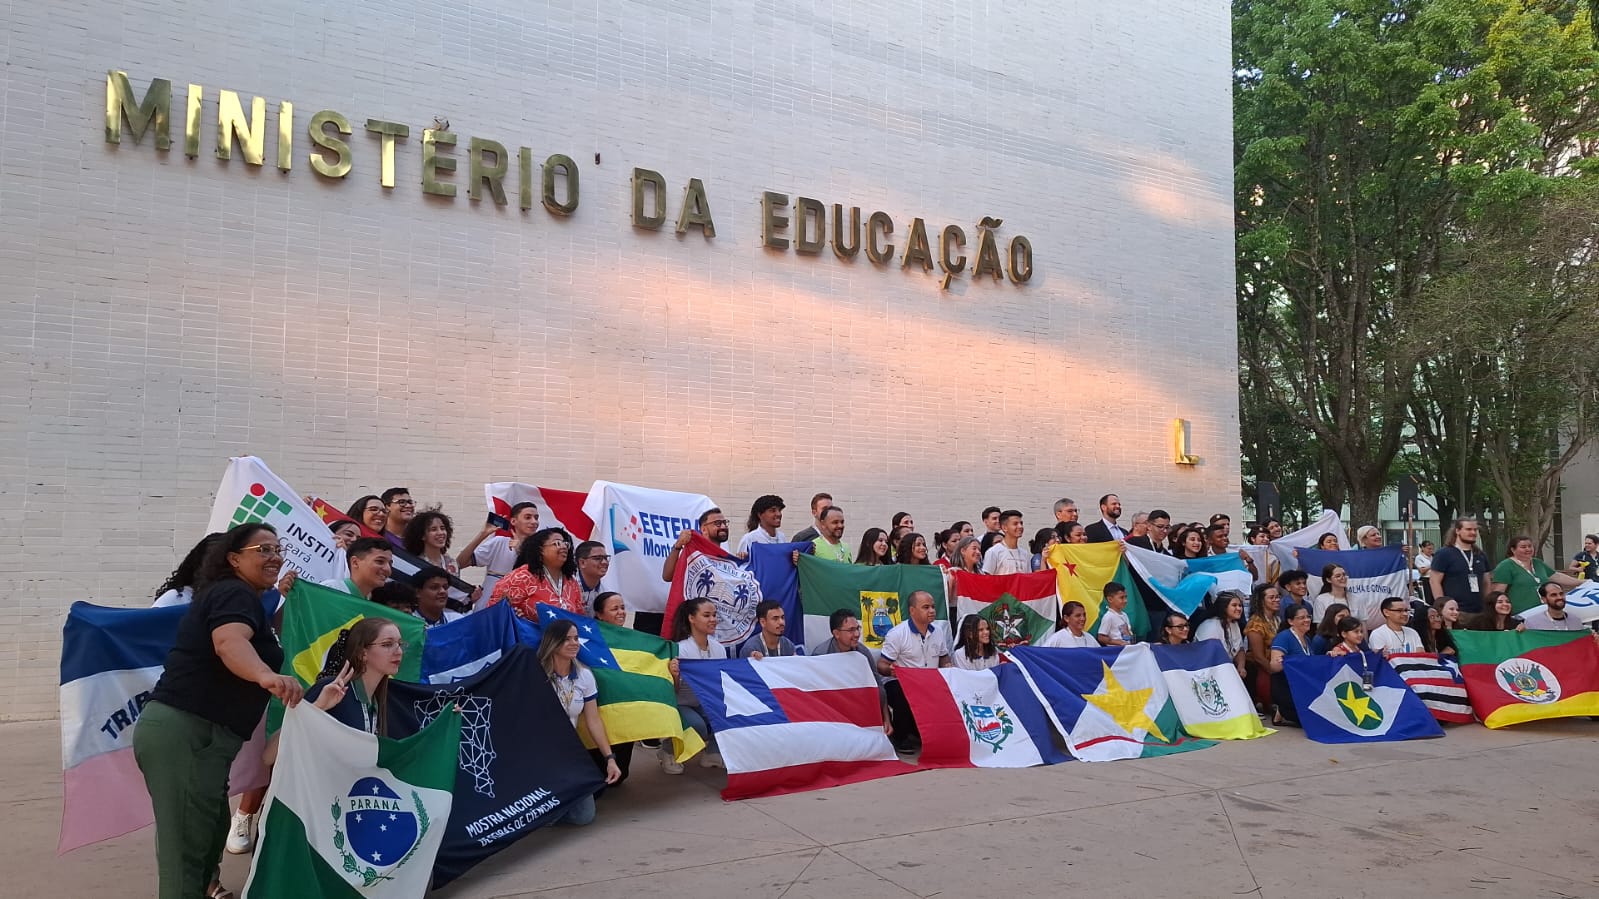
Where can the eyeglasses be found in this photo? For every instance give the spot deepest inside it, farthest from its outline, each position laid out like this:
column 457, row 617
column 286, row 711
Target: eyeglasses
column 591, row 557
column 391, row 645
column 405, row 502
column 851, row 630
column 717, row 523
column 269, row 550
column 1177, row 627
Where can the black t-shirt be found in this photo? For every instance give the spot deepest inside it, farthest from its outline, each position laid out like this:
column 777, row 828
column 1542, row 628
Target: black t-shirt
column 196, row 680
column 1451, row 562
column 350, row 711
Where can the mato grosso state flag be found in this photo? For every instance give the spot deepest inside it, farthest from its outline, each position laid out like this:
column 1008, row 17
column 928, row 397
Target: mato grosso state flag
column 1356, row 698
column 877, row 594
column 978, row 719
column 352, row 814
column 1513, row 676
column 313, row 618
column 1210, row 696
column 1019, row 608
column 1082, row 572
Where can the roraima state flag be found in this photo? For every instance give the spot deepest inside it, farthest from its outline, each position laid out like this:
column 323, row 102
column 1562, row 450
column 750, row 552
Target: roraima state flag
column 706, row 570
column 639, row 525
column 557, row 508
column 250, row 493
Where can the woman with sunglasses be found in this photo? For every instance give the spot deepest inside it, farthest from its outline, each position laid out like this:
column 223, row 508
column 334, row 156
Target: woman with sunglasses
column 222, row 669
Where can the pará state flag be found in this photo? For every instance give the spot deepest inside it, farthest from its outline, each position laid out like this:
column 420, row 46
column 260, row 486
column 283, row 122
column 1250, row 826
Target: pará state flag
column 1020, row 608
column 637, row 699
column 1437, row 681
column 352, row 814
column 520, row 760
column 639, row 525
column 877, row 594
column 1211, row 700
column 110, row 661
column 557, row 508
column 786, row 725
column 463, row 647
column 1336, row 705
column 1109, row 703
column 313, row 618
column 705, row 569
column 1170, row 579
column 1374, row 575
column 978, row 719
column 773, row 566
column 1513, row 676
column 250, row 492
column 1306, row 537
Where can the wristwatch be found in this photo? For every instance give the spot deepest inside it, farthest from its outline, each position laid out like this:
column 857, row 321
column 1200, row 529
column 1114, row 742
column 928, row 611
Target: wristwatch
column 610, row 756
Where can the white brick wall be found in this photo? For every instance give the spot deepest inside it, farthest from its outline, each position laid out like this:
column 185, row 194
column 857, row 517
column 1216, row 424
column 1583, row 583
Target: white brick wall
column 158, row 314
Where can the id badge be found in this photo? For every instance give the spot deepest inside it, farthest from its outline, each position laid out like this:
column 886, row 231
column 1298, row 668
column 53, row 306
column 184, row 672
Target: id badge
column 1366, row 681
column 1472, row 583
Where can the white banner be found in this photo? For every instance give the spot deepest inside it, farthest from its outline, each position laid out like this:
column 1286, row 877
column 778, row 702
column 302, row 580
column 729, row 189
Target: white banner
column 639, row 525
column 250, row 492
column 1283, row 547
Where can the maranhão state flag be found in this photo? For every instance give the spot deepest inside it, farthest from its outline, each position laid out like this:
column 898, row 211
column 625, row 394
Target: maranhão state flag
column 1019, row 608
column 557, row 508
column 786, row 725
column 1513, row 676
column 978, row 719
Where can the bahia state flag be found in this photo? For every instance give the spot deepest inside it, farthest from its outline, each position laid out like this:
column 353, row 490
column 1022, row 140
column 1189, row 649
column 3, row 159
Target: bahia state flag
column 110, row 661
column 1020, row 608
column 978, row 719
column 795, row 723
column 1437, row 681
column 1210, row 696
column 877, row 594
column 705, row 569
column 557, row 508
column 1110, row 703
column 313, row 618
column 352, row 814
column 1374, row 575
column 1356, row 698
column 1513, row 676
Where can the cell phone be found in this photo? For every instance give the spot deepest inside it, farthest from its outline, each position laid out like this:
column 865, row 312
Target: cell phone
column 499, row 521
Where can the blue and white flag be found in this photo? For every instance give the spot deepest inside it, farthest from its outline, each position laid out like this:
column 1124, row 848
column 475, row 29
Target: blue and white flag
column 1374, row 575
column 773, row 567
column 1184, row 585
column 1583, row 601
column 1306, row 537
column 1356, row 698
column 467, row 645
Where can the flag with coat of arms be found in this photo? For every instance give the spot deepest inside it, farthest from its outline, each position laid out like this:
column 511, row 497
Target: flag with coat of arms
column 1020, row 608
column 878, row 595
column 978, row 719
column 1512, row 677
column 1211, row 700
column 706, row 570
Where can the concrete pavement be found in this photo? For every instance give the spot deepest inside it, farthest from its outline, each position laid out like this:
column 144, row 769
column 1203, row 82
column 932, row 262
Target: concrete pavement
column 1509, row 813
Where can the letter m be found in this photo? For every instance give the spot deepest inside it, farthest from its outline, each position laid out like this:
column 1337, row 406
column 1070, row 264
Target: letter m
column 155, row 109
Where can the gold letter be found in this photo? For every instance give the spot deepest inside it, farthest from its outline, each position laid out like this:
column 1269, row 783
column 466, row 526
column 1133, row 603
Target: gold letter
column 654, row 220
column 388, row 131
column 1021, row 260
column 433, row 163
column 841, row 249
column 879, row 221
column 231, row 123
column 482, row 174
column 566, row 165
column 155, row 109
column 773, row 205
column 954, row 239
column 917, row 250
column 696, row 210
column 285, row 136
column 524, row 177
column 191, row 123
column 805, row 241
column 987, row 254
column 340, row 166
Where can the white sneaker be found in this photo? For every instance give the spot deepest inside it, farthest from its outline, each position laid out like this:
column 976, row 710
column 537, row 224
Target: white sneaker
column 241, row 836
column 668, row 764
column 710, row 759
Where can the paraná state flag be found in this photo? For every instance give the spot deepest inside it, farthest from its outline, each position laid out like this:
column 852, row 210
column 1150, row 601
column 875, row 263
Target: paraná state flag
column 110, row 661
column 1356, row 698
column 1437, row 681
column 557, row 508
column 877, row 594
column 786, row 725
column 313, row 618
column 250, row 492
column 520, row 762
column 978, row 719
column 705, row 569
column 636, row 698
column 1513, row 676
column 1211, row 700
column 1020, row 608
column 1109, row 703
column 352, row 814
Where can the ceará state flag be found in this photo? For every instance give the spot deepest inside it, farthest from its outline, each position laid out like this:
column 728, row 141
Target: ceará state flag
column 786, row 725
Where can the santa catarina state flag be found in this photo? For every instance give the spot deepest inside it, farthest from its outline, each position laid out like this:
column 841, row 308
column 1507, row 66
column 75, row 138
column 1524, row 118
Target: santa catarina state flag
column 1513, row 676
column 1084, row 570
column 1356, row 698
column 351, row 814
column 1210, row 697
column 978, row 719
column 313, row 618
column 877, row 594
column 1109, row 703
column 1020, row 608
column 785, row 725
column 705, row 569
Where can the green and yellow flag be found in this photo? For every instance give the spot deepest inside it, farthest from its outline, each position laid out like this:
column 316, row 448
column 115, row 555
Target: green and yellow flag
column 877, row 594
column 636, row 698
column 314, row 616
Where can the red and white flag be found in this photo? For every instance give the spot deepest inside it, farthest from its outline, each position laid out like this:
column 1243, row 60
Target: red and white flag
column 557, row 508
column 978, row 719
column 1436, row 679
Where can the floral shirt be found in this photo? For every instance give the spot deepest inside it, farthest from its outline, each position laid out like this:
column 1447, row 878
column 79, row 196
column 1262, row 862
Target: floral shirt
column 524, row 590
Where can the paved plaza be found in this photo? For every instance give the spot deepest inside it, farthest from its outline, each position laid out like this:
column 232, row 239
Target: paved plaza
column 1509, row 813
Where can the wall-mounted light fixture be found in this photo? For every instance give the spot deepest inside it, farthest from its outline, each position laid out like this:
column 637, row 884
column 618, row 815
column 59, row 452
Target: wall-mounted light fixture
column 1181, row 447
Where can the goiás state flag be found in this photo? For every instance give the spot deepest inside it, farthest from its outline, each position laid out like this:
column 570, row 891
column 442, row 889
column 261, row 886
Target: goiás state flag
column 1020, row 608
column 879, row 595
column 1356, row 698
column 352, row 814
column 706, row 570
column 1109, row 703
column 978, row 719
column 1437, row 682
column 785, row 725
column 110, row 661
column 1514, row 676
column 557, row 508
column 1210, row 697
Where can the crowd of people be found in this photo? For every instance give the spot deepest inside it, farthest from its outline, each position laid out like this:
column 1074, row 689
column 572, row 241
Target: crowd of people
column 225, row 663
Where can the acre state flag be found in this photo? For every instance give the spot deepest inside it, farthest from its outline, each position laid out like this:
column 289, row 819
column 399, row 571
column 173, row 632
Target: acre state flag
column 1020, row 608
column 1513, row 677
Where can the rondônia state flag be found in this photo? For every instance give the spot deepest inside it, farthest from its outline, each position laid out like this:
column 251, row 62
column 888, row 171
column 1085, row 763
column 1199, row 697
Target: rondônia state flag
column 1513, row 676
column 1020, row 608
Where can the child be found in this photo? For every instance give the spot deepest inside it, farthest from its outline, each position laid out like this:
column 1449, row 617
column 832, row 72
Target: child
column 1114, row 628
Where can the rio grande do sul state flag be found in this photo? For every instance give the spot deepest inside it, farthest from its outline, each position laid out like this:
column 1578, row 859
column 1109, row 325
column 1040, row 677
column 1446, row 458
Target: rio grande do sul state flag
column 1356, row 698
column 352, row 814
column 1513, row 677
column 978, row 719
column 1020, row 608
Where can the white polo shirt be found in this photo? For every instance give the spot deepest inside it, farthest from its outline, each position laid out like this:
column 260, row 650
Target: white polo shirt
column 905, row 645
column 1384, row 638
column 1065, row 639
column 1001, row 559
column 1537, row 619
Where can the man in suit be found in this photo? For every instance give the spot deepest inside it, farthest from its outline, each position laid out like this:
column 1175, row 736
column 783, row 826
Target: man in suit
column 1106, row 529
column 1156, row 529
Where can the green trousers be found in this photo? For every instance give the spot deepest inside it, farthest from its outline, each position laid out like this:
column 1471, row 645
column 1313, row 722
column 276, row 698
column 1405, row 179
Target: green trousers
column 185, row 760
